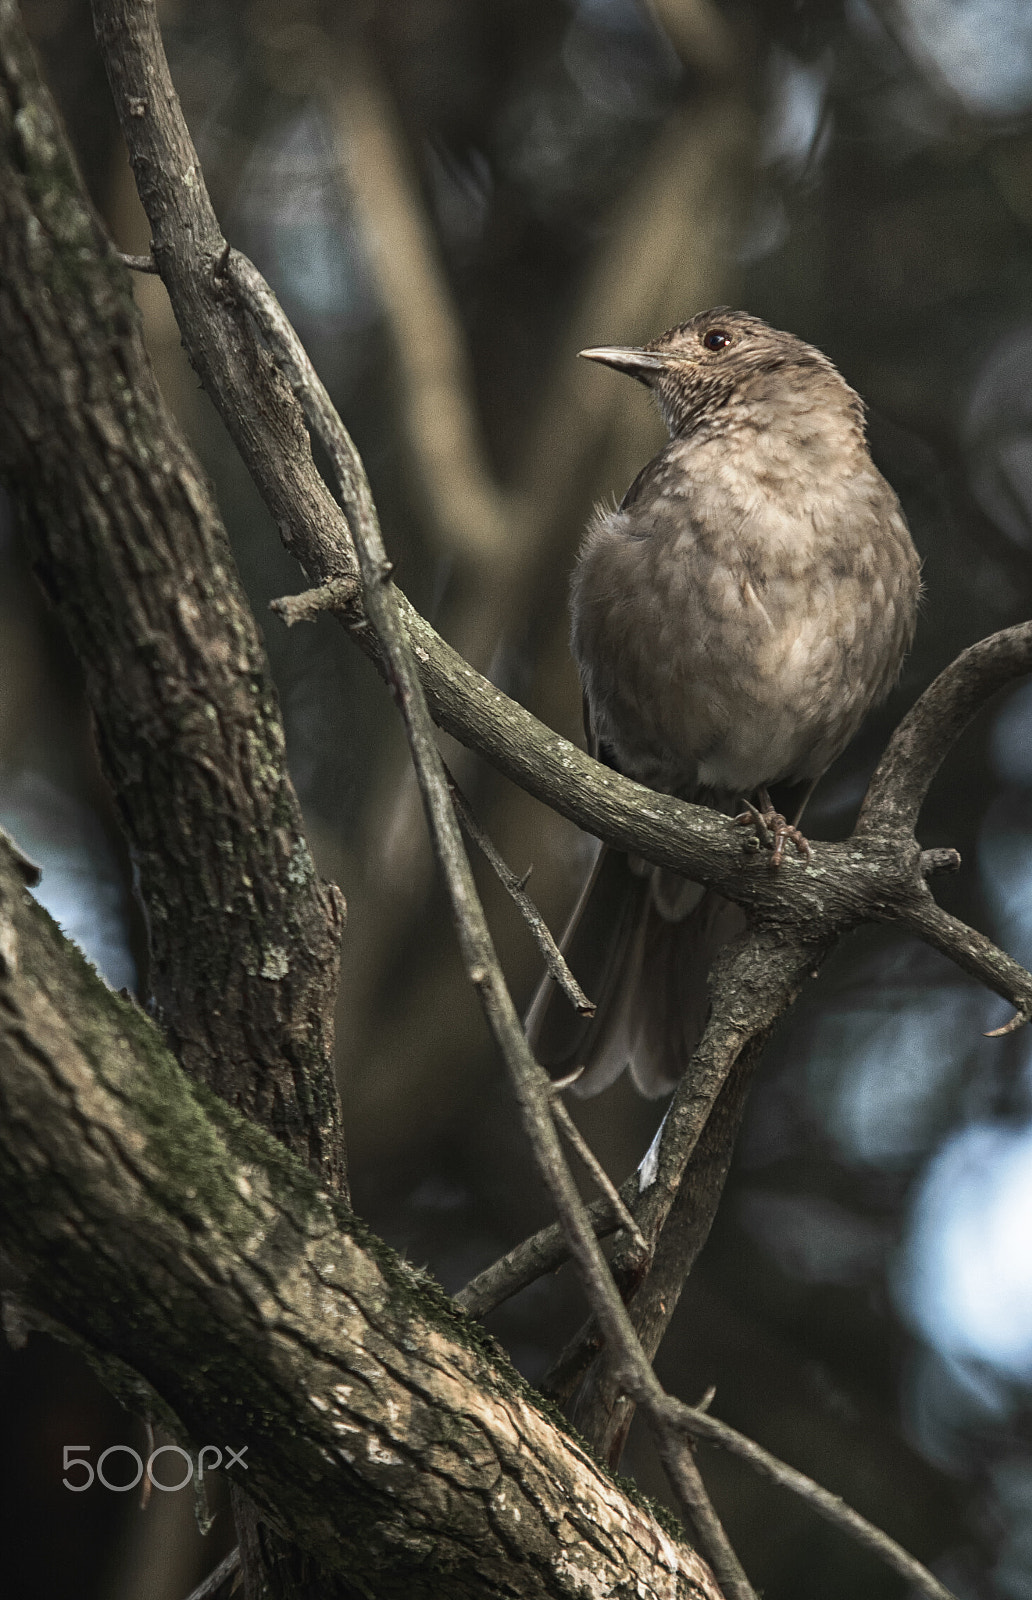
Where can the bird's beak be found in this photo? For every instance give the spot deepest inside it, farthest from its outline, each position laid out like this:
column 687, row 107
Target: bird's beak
column 640, row 364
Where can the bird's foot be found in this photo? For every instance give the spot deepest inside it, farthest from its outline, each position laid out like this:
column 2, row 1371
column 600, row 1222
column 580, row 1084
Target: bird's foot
column 773, row 832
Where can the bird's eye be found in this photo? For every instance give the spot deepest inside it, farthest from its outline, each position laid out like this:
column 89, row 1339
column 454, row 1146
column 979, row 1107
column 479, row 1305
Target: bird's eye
column 716, row 339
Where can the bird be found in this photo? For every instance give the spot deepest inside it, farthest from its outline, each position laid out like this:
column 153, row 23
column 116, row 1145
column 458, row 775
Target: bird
column 733, row 621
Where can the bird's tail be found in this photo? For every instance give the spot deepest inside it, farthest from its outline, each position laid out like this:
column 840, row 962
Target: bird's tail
column 640, row 942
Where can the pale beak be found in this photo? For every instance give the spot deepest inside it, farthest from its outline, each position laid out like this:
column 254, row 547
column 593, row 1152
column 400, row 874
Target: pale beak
column 640, row 364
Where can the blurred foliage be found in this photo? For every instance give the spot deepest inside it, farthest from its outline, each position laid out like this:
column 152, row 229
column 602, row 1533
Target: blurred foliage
column 450, row 198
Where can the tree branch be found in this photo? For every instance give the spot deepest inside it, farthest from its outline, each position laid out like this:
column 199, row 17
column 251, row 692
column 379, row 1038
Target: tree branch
column 700, row 1425
column 515, row 888
column 165, row 1229
column 117, row 516
column 600, row 1177
column 973, row 953
column 930, row 729
column 844, row 887
column 877, row 875
column 530, row 1082
column 535, row 1257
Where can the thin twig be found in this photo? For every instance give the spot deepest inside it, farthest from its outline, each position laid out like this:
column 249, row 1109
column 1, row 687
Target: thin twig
column 514, row 887
column 217, row 1577
column 336, row 595
column 534, row 1258
column 974, row 953
column 931, row 727
column 572, row 1134
column 138, row 263
column 697, row 1421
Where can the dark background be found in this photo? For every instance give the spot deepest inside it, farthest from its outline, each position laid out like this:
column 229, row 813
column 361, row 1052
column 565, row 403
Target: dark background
column 451, row 198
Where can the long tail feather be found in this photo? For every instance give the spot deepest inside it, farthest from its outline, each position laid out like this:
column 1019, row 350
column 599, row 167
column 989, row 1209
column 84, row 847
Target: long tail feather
column 640, row 942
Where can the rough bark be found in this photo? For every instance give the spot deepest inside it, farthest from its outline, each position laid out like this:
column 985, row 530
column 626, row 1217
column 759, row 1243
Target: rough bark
column 128, row 544
column 164, row 1199
column 390, row 1435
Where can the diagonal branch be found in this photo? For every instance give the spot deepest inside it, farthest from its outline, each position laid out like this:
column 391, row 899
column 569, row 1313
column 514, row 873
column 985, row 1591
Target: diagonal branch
column 163, row 158
column 576, row 1140
column 973, row 953
column 923, row 739
column 529, row 1080
column 515, row 888
column 535, row 1257
column 700, row 1425
column 177, row 1237
column 844, row 885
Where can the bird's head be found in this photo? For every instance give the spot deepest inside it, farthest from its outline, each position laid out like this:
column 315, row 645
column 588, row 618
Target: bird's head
column 697, row 368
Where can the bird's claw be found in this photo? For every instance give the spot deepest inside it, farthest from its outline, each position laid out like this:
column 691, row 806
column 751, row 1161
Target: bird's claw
column 752, row 817
column 785, row 833
column 773, row 832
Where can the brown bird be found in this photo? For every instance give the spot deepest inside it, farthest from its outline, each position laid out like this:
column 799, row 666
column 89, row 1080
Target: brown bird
column 734, row 620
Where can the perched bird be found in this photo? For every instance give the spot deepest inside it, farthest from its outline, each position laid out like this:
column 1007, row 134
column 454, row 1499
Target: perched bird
column 734, row 620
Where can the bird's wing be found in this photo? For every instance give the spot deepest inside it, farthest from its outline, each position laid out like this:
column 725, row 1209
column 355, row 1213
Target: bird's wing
column 650, row 472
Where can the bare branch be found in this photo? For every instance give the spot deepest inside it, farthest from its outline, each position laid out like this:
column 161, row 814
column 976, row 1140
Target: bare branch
column 572, row 1134
column 534, row 1257
column 845, row 884
column 697, row 1422
column 138, row 263
column 264, row 1313
column 668, row 831
column 920, row 744
column 217, row 1577
column 514, row 887
column 336, row 595
column 530, row 1082
column 974, row 953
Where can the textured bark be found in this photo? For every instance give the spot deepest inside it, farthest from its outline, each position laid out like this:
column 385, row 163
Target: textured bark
column 127, row 542
column 384, row 1429
column 386, row 1437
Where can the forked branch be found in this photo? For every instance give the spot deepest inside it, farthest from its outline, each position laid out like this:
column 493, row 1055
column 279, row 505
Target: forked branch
column 232, row 323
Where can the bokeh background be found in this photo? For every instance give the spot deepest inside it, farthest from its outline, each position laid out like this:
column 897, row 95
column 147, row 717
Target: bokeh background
column 451, row 197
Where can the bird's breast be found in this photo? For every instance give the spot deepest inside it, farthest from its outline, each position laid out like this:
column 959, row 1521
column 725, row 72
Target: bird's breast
column 736, row 635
